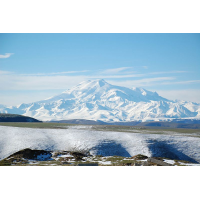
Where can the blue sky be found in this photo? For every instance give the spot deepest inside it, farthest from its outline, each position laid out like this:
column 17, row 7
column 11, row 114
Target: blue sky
column 36, row 66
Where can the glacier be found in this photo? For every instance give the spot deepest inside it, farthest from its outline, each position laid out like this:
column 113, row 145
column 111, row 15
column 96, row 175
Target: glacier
column 99, row 100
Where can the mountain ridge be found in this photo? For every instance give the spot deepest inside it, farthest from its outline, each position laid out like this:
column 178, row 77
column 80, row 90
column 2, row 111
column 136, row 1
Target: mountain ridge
column 100, row 100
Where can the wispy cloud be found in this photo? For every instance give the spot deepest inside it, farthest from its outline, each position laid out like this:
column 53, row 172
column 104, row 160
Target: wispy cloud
column 21, row 82
column 55, row 73
column 117, row 73
column 181, row 82
column 185, row 82
column 7, row 55
column 142, row 82
column 186, row 95
column 65, row 80
column 70, row 72
column 115, row 70
column 5, row 72
column 124, row 72
column 116, row 76
column 12, row 81
column 169, row 72
column 61, row 81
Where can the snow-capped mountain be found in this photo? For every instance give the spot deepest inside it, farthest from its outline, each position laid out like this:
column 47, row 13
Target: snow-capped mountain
column 99, row 100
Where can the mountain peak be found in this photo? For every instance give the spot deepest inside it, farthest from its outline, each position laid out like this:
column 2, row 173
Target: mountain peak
column 101, row 82
column 90, row 84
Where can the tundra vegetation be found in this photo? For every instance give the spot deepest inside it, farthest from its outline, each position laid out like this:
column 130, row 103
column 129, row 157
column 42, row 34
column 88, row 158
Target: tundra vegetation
column 28, row 157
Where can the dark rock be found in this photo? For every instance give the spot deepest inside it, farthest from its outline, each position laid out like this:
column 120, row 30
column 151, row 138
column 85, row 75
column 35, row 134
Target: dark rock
column 32, row 154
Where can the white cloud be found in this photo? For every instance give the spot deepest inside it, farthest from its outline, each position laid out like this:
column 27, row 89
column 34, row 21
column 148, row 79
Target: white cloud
column 185, row 82
column 181, row 82
column 115, row 70
column 10, row 98
column 7, row 55
column 142, row 82
column 70, row 72
column 16, row 82
column 169, row 72
column 19, row 82
column 55, row 73
column 186, row 95
column 115, row 76
column 46, row 82
column 5, row 72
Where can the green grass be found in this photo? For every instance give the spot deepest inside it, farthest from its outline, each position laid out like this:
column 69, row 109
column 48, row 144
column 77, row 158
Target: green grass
column 36, row 125
column 114, row 128
column 147, row 130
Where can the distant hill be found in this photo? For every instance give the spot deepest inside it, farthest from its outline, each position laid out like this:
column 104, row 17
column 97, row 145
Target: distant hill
column 98, row 122
column 190, row 124
column 170, row 125
column 16, row 118
column 80, row 121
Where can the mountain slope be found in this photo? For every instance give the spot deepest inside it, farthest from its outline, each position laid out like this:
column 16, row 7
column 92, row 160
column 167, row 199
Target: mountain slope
column 99, row 100
column 101, row 90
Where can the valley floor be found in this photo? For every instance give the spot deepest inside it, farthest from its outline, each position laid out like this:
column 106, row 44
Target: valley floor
column 103, row 143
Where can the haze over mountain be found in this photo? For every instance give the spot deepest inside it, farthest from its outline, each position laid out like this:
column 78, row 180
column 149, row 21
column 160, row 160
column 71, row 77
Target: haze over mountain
column 99, row 100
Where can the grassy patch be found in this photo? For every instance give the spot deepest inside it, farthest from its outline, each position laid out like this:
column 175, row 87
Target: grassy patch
column 36, row 125
column 113, row 128
column 87, row 161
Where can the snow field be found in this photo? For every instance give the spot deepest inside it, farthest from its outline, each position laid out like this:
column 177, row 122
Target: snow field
column 13, row 139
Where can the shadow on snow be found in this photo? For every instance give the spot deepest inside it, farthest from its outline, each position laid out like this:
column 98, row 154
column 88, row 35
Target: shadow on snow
column 167, row 150
column 110, row 148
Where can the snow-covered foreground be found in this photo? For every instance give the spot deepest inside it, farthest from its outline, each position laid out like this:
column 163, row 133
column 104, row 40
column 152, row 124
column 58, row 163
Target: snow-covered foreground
column 13, row 139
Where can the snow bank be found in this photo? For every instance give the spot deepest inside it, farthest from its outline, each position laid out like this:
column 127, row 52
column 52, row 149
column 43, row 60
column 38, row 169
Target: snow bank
column 13, row 139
